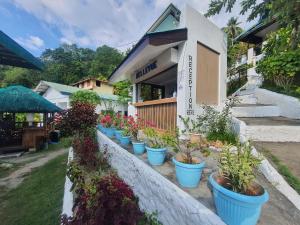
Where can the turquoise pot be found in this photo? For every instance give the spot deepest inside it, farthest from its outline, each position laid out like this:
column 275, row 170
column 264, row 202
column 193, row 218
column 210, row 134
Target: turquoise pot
column 103, row 130
column 235, row 208
column 138, row 147
column 109, row 132
column 118, row 134
column 188, row 175
column 156, row 156
column 125, row 140
column 99, row 127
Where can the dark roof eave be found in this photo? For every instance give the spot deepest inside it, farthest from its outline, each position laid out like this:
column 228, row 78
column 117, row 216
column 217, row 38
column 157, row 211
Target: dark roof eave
column 156, row 39
column 248, row 36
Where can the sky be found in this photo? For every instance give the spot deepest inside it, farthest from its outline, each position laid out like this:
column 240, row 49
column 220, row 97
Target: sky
column 41, row 24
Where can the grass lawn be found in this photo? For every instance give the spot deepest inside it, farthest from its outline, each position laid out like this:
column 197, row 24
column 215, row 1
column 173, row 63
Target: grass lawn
column 38, row 200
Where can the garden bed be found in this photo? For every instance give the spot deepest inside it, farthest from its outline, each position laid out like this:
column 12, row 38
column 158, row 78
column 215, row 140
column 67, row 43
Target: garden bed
column 157, row 189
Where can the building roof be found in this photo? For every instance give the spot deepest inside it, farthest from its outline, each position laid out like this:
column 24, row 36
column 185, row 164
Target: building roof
column 168, row 38
column 257, row 32
column 19, row 99
column 43, row 86
column 12, row 54
column 159, row 34
column 90, row 78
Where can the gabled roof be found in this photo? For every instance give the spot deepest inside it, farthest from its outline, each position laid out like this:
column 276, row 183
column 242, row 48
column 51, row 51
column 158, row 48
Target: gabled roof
column 155, row 37
column 43, row 86
column 19, row 99
column 12, row 54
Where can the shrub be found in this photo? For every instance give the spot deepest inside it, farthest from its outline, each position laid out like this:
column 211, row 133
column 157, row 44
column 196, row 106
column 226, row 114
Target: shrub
column 216, row 125
column 154, row 139
column 134, row 125
column 86, row 149
column 107, row 121
column 280, row 68
column 85, row 96
column 107, row 201
column 237, row 167
column 80, row 117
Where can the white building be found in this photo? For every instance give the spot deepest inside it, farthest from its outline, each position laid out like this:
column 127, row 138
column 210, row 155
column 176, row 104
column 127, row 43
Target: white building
column 177, row 66
column 59, row 95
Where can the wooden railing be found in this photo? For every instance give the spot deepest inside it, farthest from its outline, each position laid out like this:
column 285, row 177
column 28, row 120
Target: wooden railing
column 162, row 112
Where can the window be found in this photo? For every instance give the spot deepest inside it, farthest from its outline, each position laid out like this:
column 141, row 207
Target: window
column 207, row 82
column 98, row 83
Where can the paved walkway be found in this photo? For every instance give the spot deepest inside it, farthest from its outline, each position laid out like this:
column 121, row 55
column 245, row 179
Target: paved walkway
column 288, row 153
column 16, row 177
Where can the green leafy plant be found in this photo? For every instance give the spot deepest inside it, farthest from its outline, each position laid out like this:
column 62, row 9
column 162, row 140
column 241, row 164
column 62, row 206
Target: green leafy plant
column 237, row 166
column 154, row 139
column 216, row 125
column 126, row 132
column 183, row 146
column 190, row 126
column 280, row 68
column 85, row 96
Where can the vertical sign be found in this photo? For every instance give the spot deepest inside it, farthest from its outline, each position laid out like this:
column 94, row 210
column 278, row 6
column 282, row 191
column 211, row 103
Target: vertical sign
column 190, row 110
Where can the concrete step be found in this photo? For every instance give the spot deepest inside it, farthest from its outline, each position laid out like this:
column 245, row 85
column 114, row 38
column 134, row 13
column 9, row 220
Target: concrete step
column 255, row 110
column 247, row 99
column 275, row 129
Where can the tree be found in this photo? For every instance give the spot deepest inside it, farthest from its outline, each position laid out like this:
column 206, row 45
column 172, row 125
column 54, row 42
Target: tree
column 286, row 13
column 105, row 61
column 232, row 29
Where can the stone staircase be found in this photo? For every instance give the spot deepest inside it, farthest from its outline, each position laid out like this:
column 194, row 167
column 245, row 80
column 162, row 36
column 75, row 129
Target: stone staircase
column 263, row 122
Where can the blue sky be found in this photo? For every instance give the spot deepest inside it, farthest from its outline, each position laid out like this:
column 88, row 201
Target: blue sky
column 41, row 24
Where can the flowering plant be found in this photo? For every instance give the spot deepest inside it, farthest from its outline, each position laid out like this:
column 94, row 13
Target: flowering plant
column 134, row 125
column 118, row 121
column 106, row 121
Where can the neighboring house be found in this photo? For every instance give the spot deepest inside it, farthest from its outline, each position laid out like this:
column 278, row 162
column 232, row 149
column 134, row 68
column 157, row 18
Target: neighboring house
column 256, row 35
column 59, row 95
column 94, row 84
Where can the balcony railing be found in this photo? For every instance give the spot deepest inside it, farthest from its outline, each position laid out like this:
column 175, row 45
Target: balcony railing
column 162, row 112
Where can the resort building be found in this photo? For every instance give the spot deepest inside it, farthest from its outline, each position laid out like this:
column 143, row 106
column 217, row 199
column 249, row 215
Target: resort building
column 59, row 94
column 177, row 66
column 93, row 84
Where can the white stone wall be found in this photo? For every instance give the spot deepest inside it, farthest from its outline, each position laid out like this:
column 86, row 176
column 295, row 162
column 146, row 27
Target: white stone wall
column 68, row 195
column 289, row 106
column 155, row 192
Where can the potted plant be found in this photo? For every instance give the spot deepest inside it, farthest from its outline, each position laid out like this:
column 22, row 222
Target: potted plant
column 238, row 198
column 156, row 150
column 134, row 126
column 192, row 129
column 125, row 137
column 107, row 122
column 188, row 167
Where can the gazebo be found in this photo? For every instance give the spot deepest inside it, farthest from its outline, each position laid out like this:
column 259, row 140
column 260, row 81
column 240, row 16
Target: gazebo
column 25, row 135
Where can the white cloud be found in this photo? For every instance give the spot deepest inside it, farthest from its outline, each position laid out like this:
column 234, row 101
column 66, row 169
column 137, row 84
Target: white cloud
column 32, row 42
column 93, row 23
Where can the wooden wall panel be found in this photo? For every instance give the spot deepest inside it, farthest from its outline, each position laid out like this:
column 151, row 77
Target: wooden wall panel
column 163, row 115
column 207, row 82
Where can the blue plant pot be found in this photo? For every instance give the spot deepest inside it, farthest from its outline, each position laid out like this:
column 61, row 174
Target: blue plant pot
column 125, row 140
column 99, row 127
column 188, row 175
column 118, row 134
column 235, row 208
column 103, row 130
column 138, row 147
column 156, row 156
column 109, row 132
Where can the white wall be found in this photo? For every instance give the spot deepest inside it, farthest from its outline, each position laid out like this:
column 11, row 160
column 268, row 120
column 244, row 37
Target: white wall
column 200, row 29
column 57, row 98
column 289, row 106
